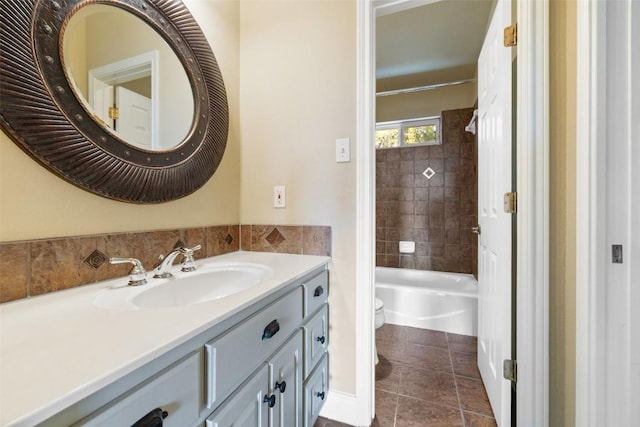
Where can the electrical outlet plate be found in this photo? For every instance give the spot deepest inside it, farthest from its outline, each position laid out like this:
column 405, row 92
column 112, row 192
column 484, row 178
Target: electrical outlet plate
column 279, row 196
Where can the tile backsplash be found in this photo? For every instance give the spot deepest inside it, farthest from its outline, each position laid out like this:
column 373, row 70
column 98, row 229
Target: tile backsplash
column 436, row 209
column 35, row 267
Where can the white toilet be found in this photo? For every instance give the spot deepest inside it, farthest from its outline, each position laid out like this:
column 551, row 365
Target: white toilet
column 379, row 321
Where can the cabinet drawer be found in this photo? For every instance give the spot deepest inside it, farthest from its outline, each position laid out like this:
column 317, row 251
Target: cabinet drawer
column 316, row 339
column 316, row 291
column 176, row 391
column 234, row 355
column 315, row 392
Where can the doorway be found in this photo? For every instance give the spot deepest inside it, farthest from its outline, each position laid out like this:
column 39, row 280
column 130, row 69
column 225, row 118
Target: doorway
column 532, row 226
column 428, row 194
column 124, row 95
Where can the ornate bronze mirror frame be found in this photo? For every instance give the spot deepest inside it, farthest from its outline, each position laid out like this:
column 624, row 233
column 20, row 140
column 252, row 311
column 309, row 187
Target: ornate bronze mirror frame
column 41, row 113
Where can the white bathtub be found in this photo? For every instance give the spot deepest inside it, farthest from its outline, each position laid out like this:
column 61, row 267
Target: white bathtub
column 429, row 299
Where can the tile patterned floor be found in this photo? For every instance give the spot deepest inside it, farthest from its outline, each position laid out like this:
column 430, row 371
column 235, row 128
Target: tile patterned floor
column 427, row 378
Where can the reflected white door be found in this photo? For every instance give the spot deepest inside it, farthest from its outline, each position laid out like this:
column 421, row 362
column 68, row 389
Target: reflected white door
column 494, row 242
column 102, row 100
column 134, row 122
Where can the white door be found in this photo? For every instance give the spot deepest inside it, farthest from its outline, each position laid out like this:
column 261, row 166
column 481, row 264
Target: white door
column 134, row 122
column 494, row 242
column 101, row 99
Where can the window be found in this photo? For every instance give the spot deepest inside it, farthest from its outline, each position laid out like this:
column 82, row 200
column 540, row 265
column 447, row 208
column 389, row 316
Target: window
column 406, row 133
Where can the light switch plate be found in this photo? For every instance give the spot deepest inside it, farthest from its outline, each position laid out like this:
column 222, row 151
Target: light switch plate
column 279, row 196
column 343, row 150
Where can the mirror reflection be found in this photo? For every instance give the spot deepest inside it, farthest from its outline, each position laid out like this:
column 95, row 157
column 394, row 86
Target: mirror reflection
column 128, row 77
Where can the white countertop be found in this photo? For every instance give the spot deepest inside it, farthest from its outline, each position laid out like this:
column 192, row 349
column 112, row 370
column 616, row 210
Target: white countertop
column 59, row 348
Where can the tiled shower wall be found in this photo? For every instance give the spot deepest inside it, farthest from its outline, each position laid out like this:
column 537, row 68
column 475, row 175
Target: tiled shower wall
column 35, row 267
column 438, row 212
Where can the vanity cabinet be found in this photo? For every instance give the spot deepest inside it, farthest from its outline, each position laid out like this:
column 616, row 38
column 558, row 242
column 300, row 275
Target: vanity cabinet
column 266, row 366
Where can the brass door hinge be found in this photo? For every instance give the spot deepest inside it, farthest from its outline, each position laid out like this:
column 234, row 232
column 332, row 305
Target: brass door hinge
column 510, row 370
column 511, row 202
column 114, row 113
column 511, row 35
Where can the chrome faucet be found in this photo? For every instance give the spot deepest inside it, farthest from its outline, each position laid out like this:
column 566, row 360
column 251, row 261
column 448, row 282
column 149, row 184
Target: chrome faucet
column 137, row 275
column 188, row 264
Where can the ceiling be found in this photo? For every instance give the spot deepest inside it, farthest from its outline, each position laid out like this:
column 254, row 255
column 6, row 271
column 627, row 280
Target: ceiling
column 430, row 37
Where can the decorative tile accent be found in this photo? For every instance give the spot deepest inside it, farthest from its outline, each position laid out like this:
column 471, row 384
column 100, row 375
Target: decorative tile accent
column 95, row 259
column 291, row 239
column 39, row 266
column 428, row 173
column 275, row 238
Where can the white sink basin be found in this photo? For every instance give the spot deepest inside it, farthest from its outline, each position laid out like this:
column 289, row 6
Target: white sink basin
column 208, row 283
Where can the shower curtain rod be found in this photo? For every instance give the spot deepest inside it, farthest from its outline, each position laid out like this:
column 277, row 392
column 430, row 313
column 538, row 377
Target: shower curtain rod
column 421, row 88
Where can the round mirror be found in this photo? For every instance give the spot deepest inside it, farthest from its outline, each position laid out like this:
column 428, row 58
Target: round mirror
column 51, row 85
column 127, row 77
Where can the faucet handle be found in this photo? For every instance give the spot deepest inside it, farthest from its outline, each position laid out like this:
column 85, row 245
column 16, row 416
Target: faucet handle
column 189, row 264
column 137, row 275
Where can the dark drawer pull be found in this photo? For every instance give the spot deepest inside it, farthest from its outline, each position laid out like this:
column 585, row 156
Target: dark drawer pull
column 271, row 329
column 281, row 386
column 319, row 291
column 320, row 339
column 270, row 400
column 152, row 419
column 320, row 395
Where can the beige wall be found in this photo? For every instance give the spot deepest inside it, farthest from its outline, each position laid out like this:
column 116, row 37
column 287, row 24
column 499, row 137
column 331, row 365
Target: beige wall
column 298, row 94
column 34, row 203
column 562, row 213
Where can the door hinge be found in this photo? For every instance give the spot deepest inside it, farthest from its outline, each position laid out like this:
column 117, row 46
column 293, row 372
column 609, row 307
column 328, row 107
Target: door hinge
column 511, row 35
column 511, row 202
column 114, row 113
column 510, row 370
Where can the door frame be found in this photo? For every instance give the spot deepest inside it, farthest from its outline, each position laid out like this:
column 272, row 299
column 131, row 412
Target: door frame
column 532, row 162
column 590, row 243
column 132, row 68
column 593, row 369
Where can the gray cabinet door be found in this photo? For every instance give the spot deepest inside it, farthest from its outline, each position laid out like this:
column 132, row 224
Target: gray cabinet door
column 247, row 408
column 285, row 383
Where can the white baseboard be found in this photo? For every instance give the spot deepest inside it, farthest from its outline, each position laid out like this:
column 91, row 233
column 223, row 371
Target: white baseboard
column 340, row 407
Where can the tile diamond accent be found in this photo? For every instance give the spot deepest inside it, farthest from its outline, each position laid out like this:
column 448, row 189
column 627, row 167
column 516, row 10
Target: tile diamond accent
column 228, row 239
column 275, row 237
column 428, row 173
column 95, row 259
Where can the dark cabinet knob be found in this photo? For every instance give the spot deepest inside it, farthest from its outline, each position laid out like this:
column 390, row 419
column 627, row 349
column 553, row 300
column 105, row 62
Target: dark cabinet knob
column 270, row 330
column 320, row 395
column 320, row 339
column 152, row 419
column 319, row 291
column 281, row 386
column 270, row 400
